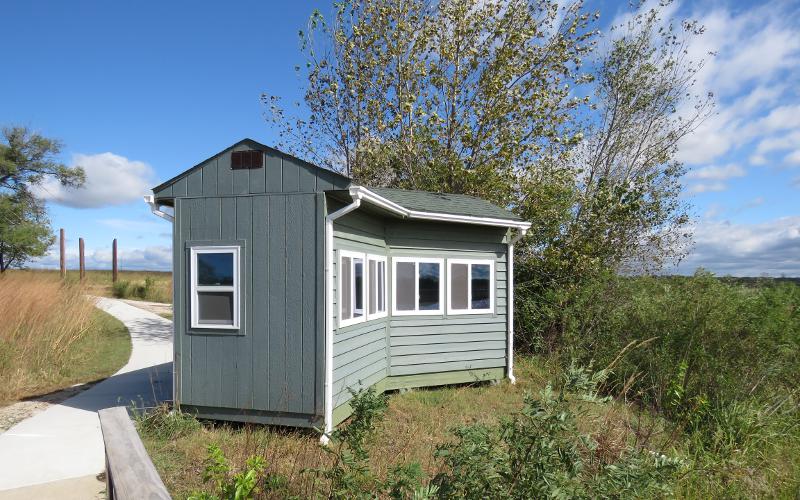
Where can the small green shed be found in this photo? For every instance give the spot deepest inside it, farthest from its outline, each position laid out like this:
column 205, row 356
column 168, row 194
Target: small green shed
column 293, row 285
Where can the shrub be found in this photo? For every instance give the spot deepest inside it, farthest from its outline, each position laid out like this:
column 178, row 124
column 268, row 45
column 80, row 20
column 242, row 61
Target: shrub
column 165, row 423
column 230, row 484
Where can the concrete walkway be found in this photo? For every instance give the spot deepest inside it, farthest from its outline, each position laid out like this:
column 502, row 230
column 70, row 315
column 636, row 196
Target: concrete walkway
column 65, row 441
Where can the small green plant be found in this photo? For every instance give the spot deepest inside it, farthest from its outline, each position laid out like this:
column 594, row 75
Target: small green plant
column 165, row 423
column 121, row 289
column 228, row 484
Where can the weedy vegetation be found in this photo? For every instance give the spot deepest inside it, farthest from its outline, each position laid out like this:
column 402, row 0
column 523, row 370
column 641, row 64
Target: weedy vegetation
column 52, row 336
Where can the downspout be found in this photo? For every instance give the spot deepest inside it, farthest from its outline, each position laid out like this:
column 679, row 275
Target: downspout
column 156, row 208
column 325, row 438
column 510, row 303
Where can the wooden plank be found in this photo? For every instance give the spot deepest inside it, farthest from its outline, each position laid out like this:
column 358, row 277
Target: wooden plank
column 319, row 392
column 278, row 393
column 260, row 353
column 294, row 297
column 307, row 178
column 195, row 183
column 403, row 350
column 273, row 171
column 224, row 174
column 446, row 339
column 309, row 297
column 398, row 331
column 291, row 176
column 130, row 473
column 210, row 178
column 258, row 180
column 180, row 313
column 450, row 366
column 345, row 357
column 447, row 357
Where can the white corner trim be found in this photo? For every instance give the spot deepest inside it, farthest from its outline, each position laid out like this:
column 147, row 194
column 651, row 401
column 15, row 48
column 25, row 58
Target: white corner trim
column 416, row 311
column 492, row 291
column 156, row 208
column 328, row 416
column 382, row 202
column 510, row 304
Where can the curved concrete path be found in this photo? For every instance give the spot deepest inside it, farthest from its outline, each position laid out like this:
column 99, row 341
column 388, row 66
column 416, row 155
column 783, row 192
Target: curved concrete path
column 65, row 441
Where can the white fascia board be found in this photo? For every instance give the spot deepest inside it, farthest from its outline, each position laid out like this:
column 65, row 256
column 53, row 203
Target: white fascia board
column 376, row 199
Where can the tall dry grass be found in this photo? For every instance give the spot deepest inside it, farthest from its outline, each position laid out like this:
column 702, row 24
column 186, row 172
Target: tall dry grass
column 41, row 319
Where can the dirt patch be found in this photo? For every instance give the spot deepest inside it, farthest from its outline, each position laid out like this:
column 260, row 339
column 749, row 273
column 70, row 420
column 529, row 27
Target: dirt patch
column 154, row 307
column 17, row 412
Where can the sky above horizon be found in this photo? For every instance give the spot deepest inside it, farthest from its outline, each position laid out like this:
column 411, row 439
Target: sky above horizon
column 139, row 92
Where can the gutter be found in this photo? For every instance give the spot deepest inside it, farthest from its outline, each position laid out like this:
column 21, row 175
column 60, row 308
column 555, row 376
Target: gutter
column 156, row 208
column 510, row 303
column 328, row 422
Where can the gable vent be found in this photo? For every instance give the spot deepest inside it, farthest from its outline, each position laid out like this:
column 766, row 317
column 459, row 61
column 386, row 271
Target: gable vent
column 247, row 159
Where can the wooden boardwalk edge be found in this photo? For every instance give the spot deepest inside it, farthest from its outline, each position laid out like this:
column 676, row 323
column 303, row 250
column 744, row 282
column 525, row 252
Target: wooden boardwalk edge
column 130, row 473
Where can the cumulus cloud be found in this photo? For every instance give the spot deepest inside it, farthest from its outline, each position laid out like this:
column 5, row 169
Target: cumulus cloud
column 769, row 248
column 711, row 187
column 151, row 258
column 756, row 51
column 110, row 180
column 720, row 173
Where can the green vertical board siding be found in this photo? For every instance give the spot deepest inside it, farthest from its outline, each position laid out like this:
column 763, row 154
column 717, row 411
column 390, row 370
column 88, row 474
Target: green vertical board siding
column 360, row 351
column 274, row 364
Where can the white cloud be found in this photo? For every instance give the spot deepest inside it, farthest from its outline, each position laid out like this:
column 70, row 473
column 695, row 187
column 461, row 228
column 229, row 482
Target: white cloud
column 717, row 173
column 793, row 158
column 151, row 258
column 771, row 248
column 757, row 51
column 110, row 180
column 711, row 187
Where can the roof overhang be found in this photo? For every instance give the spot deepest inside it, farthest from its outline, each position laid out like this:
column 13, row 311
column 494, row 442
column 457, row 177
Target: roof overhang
column 364, row 194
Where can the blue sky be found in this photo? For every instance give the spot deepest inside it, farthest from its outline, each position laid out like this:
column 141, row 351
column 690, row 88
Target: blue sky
column 138, row 92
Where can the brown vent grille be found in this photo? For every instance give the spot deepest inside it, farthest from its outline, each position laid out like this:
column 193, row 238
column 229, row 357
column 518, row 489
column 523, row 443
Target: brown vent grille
column 247, row 159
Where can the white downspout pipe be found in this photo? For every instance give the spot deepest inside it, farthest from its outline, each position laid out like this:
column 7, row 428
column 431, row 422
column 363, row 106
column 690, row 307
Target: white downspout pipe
column 510, row 303
column 325, row 438
column 156, row 209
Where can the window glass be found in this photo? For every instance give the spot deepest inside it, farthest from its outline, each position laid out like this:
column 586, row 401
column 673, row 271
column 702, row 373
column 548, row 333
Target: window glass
column 405, row 291
column 428, row 286
column 381, row 286
column 215, row 269
column 372, row 286
column 215, row 308
column 347, row 284
column 459, row 286
column 481, row 292
column 358, row 287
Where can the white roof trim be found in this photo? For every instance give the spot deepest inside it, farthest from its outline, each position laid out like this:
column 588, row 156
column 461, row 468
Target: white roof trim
column 360, row 192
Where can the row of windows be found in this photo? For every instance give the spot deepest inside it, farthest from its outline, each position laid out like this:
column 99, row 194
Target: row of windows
column 419, row 287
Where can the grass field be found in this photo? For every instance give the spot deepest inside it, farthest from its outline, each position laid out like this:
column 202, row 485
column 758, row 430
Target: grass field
column 155, row 286
column 52, row 336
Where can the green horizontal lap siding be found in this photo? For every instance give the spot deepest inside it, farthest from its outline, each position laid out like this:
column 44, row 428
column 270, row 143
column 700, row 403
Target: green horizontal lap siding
column 360, row 351
column 444, row 343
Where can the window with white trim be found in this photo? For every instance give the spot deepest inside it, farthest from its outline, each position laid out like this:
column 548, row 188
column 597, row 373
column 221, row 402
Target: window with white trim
column 214, row 274
column 376, row 286
column 418, row 287
column 351, row 287
column 470, row 286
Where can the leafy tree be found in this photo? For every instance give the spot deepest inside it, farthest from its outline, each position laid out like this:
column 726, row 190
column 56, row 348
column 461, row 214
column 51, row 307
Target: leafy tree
column 26, row 159
column 450, row 96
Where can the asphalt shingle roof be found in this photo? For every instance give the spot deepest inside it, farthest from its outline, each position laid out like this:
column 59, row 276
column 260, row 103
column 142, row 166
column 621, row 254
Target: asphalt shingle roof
column 459, row 204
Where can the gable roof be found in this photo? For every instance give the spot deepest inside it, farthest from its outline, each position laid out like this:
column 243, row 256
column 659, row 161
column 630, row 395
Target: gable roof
column 253, row 145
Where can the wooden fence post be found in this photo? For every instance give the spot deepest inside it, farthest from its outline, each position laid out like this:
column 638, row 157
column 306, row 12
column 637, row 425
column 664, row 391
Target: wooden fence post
column 62, row 257
column 114, row 262
column 81, row 262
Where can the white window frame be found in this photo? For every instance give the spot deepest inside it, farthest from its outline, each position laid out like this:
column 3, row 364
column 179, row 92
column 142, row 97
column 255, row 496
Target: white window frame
column 195, row 288
column 352, row 291
column 417, row 261
column 492, row 291
column 378, row 259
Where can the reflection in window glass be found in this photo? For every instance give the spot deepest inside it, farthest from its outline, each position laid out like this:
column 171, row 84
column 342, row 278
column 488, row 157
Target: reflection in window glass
column 459, row 286
column 481, row 293
column 428, row 286
column 372, row 280
column 346, row 295
column 358, row 287
column 405, row 292
column 215, row 308
column 381, row 286
column 214, row 269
